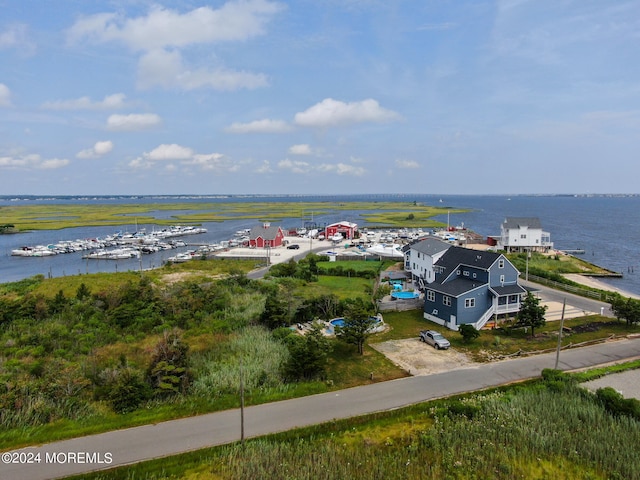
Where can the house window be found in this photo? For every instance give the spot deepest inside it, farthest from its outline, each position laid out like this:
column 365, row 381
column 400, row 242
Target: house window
column 466, row 273
column 523, row 235
column 431, row 295
column 501, row 263
column 458, row 272
column 475, row 275
column 469, row 302
column 446, row 301
column 501, row 278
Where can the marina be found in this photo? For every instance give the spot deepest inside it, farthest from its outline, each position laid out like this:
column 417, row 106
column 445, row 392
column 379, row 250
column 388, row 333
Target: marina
column 589, row 217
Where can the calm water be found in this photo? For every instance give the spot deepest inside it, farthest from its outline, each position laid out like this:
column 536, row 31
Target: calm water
column 607, row 228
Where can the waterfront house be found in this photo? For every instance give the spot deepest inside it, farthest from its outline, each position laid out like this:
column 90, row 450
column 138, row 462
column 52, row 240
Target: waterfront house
column 471, row 287
column 420, row 257
column 265, row 235
column 523, row 234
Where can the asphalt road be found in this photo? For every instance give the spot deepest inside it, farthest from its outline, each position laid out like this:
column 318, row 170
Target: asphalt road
column 177, row 436
column 583, row 303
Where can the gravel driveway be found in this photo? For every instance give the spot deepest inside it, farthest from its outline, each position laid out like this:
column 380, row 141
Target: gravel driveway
column 418, row 358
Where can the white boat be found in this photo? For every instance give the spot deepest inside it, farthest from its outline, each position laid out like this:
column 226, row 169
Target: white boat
column 37, row 251
column 336, row 237
column 386, row 250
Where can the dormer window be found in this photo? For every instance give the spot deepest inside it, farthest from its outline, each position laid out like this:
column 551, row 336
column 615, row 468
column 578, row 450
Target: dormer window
column 501, row 263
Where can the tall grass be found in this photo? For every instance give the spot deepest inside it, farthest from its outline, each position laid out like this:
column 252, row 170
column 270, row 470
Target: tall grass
column 252, row 354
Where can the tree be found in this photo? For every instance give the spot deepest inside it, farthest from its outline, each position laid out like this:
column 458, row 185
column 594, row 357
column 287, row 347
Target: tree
column 357, row 324
column 276, row 311
column 168, row 371
column 468, row 332
column 83, row 292
column 626, row 309
column 307, row 354
column 531, row 313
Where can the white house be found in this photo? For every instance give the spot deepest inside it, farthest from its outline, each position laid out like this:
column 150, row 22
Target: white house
column 521, row 234
column 420, row 256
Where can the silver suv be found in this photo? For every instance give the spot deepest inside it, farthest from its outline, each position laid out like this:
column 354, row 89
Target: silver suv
column 434, row 338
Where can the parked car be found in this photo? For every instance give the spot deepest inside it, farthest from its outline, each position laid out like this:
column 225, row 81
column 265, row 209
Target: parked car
column 293, row 246
column 432, row 337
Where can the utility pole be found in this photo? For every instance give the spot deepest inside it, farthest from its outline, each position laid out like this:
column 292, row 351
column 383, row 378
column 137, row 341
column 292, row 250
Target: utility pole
column 564, row 303
column 241, row 404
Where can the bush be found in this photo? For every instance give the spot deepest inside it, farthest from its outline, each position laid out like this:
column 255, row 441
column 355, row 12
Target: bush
column 469, row 333
column 616, row 404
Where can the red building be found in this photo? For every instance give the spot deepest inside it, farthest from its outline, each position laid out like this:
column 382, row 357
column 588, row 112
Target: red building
column 348, row 230
column 266, row 236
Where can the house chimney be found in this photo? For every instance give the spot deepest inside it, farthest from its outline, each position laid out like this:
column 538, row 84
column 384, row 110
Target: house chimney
column 266, row 225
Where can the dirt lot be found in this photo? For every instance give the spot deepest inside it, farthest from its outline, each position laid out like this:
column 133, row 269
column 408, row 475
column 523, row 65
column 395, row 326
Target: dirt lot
column 418, row 358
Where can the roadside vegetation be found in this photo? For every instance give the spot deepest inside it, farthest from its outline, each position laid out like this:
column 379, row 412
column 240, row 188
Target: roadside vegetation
column 549, row 428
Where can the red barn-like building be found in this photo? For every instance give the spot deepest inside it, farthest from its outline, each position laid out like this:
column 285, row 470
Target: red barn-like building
column 346, row 229
column 266, row 236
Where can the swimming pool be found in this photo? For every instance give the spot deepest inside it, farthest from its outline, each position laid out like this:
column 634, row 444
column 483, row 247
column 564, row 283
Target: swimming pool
column 337, row 322
column 405, row 295
column 377, row 326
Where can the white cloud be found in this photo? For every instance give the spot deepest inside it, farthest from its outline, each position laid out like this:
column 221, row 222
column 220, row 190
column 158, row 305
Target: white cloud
column 170, row 152
column 265, row 167
column 32, row 161
column 407, row 164
column 54, row 163
column 99, row 149
column 133, row 121
column 167, row 154
column 302, row 149
column 16, row 36
column 110, row 102
column 301, row 167
column 330, row 113
column 346, row 169
column 162, row 32
column 234, row 21
column 259, row 126
column 294, row 166
column 166, row 69
column 5, row 96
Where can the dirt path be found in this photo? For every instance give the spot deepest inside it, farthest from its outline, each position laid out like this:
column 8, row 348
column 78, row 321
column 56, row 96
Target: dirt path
column 418, row 358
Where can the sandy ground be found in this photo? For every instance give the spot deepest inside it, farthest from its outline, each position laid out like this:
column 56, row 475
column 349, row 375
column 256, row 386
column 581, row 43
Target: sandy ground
column 596, row 283
column 418, row 358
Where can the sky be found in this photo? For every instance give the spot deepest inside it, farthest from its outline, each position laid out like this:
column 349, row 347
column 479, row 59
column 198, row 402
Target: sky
column 133, row 97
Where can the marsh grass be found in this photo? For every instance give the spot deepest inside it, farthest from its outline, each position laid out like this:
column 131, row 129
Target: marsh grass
column 252, row 354
column 54, row 217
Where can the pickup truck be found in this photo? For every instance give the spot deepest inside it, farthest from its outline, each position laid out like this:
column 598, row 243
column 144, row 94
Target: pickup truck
column 435, row 339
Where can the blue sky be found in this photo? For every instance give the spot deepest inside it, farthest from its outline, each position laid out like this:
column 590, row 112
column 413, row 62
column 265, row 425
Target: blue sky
column 319, row 96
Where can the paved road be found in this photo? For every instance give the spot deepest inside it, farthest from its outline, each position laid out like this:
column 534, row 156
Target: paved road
column 169, row 438
column 576, row 301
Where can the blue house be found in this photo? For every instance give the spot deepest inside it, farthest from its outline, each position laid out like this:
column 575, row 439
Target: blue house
column 470, row 287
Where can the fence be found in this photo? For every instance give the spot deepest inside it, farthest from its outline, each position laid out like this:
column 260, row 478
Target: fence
column 602, row 296
column 401, row 305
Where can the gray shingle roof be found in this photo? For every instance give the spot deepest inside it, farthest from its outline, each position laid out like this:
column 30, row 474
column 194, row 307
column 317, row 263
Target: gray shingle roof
column 269, row 233
column 464, row 256
column 517, row 222
column 455, row 287
column 430, row 246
